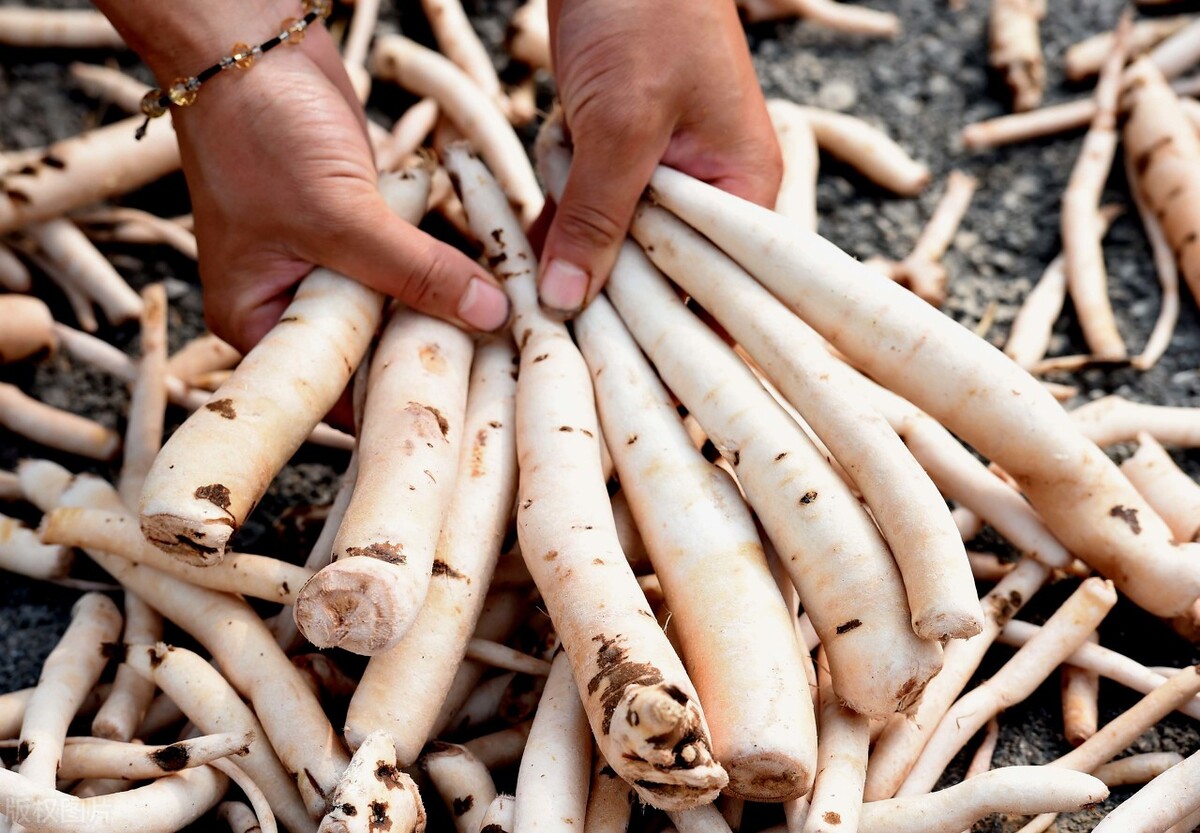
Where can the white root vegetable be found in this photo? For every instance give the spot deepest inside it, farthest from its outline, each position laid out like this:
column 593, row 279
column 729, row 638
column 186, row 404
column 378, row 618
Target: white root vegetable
column 147, row 398
column 129, row 225
column 836, row 799
column 1179, row 52
column 1168, row 280
column 706, row 819
column 238, row 817
column 1104, row 661
column 375, row 794
column 427, row 73
column 1015, row 49
column 981, row 759
column 1029, row 335
column 246, row 651
column 1162, row 149
column 483, row 704
column 528, row 37
column 91, row 758
column 509, row 659
column 906, row 505
column 1136, row 769
column 1167, row 799
column 1085, row 58
column 1015, row 790
column 54, row 428
column 1083, row 257
column 125, row 707
column 922, row 271
column 403, row 688
column 218, row 464
column 903, row 738
column 463, row 783
column 257, row 576
column 706, row 552
column 1063, row 632
column 201, row 355
column 500, row 815
column 556, row 768
column 164, row 806
column 408, row 134
column 1171, row 492
column 1114, row 419
column 412, row 428
column 14, row 275
column 238, row 776
column 85, row 169
column 357, row 46
column 28, row 328
column 213, row 706
column 29, row 28
column 457, row 40
column 610, row 801
column 23, row 553
column 987, row 566
column 110, row 85
column 1080, row 701
column 797, row 198
column 938, row 364
column 69, row 673
column 504, row 747
column 868, row 149
column 841, row 17
column 640, row 703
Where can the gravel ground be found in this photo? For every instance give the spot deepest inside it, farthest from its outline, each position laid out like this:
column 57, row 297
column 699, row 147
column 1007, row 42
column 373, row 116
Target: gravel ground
column 923, row 87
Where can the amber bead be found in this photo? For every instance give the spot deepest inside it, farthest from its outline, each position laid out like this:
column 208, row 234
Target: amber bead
column 183, row 92
column 321, row 7
column 243, row 55
column 295, row 30
column 152, row 105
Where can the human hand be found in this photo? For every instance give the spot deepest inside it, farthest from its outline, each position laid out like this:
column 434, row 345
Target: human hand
column 644, row 82
column 282, row 177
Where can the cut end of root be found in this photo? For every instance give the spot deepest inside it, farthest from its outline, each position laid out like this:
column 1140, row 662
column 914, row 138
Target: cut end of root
column 199, row 542
column 359, row 604
column 948, row 625
column 767, row 776
column 664, row 748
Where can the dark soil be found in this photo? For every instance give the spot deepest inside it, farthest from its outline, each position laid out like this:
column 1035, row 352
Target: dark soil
column 922, row 88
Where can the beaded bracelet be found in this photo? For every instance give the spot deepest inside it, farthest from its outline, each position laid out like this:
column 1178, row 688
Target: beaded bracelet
column 182, row 92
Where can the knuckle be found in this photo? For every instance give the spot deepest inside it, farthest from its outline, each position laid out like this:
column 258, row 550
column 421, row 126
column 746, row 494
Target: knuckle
column 422, row 286
column 588, row 223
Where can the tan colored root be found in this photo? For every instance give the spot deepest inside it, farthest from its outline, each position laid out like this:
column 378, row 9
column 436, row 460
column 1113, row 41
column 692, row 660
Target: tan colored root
column 1172, row 493
column 92, row 758
column 108, row 84
column 31, row 28
column 1015, row 49
column 212, row 705
column 1169, row 798
column 610, row 801
column 1114, row 419
column 1136, row 769
column 403, row 690
column 218, row 464
column 1080, row 702
column 503, row 748
column 840, row 17
column 28, row 328
column 125, row 707
column 1179, row 52
column 463, row 783
column 79, row 171
column 841, row 762
column 375, row 794
column 129, row 225
column 23, row 553
column 506, row 658
column 1083, row 257
column 238, row 816
column 164, row 806
column 408, row 134
column 1064, row 631
column 147, row 399
column 1168, row 279
column 922, row 271
column 55, row 428
column 257, row 576
column 867, row 149
column 14, row 275
column 528, row 38
column 981, row 760
column 500, row 815
column 1084, row 59
column 201, row 355
column 68, row 674
column 797, row 198
column 78, row 262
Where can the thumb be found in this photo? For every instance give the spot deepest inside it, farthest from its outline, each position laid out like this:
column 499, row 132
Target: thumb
column 591, row 221
column 396, row 258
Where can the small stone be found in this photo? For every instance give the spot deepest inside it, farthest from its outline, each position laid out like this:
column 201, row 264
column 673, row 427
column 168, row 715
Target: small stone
column 837, row 95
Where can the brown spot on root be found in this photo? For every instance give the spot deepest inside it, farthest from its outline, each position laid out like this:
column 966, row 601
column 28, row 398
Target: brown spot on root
column 1005, row 607
column 170, row 758
column 599, row 562
column 587, row 433
column 525, row 337
column 736, row 457
column 52, row 161
column 194, row 546
column 113, row 650
column 496, row 424
column 616, row 674
column 214, row 493
column 462, row 806
column 498, row 235
column 832, row 818
column 441, row 568
column 780, row 456
column 492, row 828
column 550, row 556
column 223, row 408
column 18, row 196
column 477, row 468
column 906, row 695
column 289, row 319
column 432, row 358
column 566, row 429
column 348, row 809
column 541, row 358
column 23, row 750
column 384, row 551
column 496, row 260
column 379, row 818
column 1146, row 157
column 1129, row 516
column 846, row 627
column 155, row 659
column 388, row 775
column 808, row 497
column 631, row 439
column 313, row 782
column 442, row 422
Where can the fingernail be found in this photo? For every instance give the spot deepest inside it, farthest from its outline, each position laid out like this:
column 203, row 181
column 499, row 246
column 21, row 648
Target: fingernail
column 483, row 306
column 563, row 288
